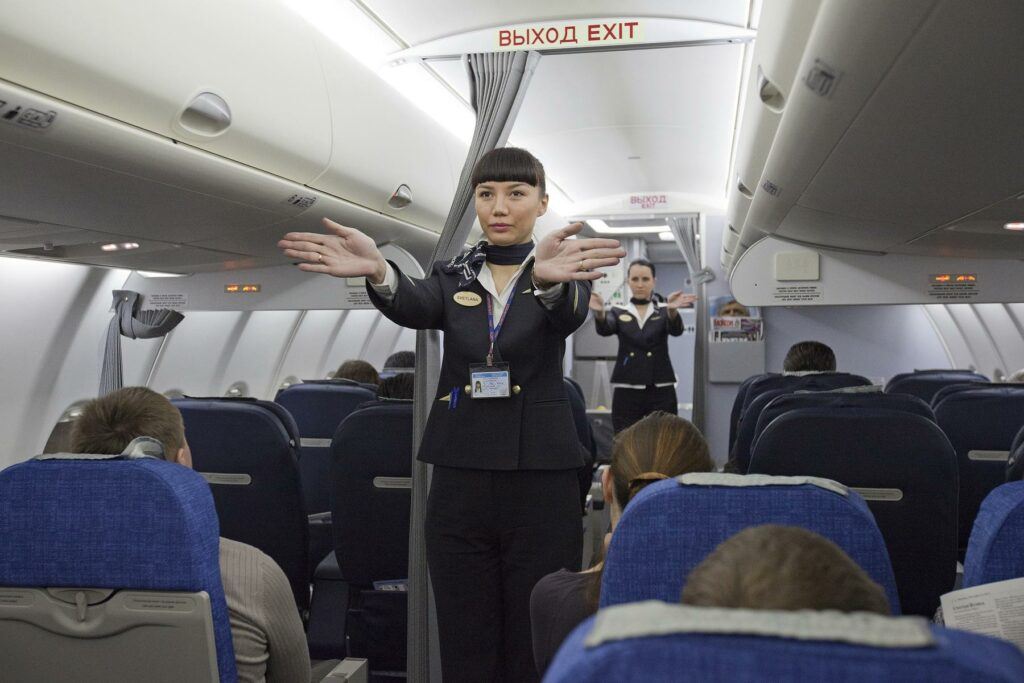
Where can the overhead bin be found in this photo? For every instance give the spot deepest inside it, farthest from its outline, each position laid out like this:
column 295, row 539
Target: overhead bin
column 902, row 134
column 381, row 142
column 240, row 79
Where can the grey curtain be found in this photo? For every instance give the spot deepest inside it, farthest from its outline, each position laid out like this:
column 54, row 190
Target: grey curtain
column 686, row 230
column 129, row 321
column 498, row 83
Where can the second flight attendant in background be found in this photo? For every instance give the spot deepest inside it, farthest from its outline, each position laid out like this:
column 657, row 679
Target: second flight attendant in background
column 643, row 378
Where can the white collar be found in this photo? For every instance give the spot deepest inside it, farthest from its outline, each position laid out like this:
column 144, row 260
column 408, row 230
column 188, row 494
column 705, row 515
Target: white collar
column 652, row 308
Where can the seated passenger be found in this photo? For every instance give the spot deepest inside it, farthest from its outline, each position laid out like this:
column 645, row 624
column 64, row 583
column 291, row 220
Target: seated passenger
column 401, row 361
column 265, row 627
column 782, row 568
column 397, row 387
column 809, row 356
column 357, row 371
column 657, row 447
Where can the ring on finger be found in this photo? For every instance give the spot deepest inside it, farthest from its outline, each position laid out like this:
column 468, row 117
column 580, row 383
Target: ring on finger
column 319, row 257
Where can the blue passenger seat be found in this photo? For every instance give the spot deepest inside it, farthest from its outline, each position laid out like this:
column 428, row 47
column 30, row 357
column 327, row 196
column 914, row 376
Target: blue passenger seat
column 981, row 423
column 737, row 405
column 925, row 383
column 996, row 549
column 901, row 463
column 247, row 450
column 1015, row 463
column 318, row 407
column 672, row 525
column 109, row 571
column 652, row 642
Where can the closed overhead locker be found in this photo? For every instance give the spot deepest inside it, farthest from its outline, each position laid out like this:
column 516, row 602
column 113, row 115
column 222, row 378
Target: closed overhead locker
column 239, row 78
column 382, row 141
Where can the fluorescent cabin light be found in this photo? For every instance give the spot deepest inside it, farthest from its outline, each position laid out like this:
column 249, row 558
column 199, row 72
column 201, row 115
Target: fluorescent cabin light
column 666, row 236
column 109, row 247
column 1016, row 225
column 602, row 227
column 158, row 273
column 353, row 31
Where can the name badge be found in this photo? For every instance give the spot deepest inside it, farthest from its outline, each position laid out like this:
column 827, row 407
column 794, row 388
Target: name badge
column 467, row 298
column 490, row 381
column 625, row 317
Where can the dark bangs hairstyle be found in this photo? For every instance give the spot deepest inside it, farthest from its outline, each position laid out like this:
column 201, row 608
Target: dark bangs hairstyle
column 508, row 165
column 641, row 262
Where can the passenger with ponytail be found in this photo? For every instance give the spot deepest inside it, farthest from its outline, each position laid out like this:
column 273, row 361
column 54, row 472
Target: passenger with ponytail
column 659, row 446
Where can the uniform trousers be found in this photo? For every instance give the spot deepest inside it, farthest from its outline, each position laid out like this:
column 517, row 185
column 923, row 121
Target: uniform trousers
column 632, row 405
column 490, row 537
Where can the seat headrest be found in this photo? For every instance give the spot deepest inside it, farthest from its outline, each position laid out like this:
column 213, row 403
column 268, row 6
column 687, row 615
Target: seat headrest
column 657, row 618
column 742, row 480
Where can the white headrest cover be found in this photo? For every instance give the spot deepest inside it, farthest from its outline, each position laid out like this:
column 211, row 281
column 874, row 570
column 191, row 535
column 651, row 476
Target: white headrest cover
column 738, row 480
column 656, row 618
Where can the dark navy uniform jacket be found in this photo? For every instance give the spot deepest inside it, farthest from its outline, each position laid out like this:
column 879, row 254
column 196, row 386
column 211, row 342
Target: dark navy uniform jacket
column 643, row 352
column 531, row 430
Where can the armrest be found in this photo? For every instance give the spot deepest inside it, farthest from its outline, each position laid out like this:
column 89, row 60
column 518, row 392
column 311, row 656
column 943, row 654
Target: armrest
column 349, row 670
column 320, row 519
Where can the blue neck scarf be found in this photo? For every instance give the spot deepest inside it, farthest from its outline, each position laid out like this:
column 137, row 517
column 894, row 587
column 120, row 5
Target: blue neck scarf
column 468, row 263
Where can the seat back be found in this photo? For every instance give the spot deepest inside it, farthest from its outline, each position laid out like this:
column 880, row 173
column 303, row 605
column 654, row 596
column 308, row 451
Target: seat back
column 109, row 568
column 925, row 383
column 658, row 643
column 958, row 387
column 370, row 492
column 248, row 454
column 904, row 467
column 981, row 424
column 737, row 405
column 671, row 526
column 763, row 390
column 779, row 405
column 997, row 539
column 318, row 408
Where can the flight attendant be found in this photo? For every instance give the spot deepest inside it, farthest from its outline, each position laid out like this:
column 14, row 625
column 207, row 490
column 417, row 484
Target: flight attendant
column 503, row 508
column 643, row 378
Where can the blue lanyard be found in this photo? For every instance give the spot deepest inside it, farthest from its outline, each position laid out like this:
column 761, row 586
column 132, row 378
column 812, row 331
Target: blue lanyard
column 494, row 330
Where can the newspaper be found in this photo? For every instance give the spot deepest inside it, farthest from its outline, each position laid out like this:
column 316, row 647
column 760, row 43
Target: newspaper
column 736, row 329
column 993, row 609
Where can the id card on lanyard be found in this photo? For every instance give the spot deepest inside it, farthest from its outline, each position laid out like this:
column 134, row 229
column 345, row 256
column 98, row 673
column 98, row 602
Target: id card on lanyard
column 493, row 379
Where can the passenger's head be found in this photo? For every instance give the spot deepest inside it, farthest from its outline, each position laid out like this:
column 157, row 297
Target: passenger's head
column 109, row 423
column 401, row 360
column 657, row 447
column 357, row 371
column 641, row 278
column 782, row 568
column 733, row 309
column 398, row 386
column 809, row 356
column 510, row 194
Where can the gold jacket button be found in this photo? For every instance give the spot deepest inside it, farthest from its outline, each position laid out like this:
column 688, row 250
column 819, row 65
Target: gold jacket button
column 516, row 389
column 469, row 389
column 631, row 354
column 649, row 354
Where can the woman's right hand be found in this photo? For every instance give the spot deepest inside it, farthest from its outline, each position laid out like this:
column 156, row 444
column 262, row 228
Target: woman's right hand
column 596, row 303
column 346, row 252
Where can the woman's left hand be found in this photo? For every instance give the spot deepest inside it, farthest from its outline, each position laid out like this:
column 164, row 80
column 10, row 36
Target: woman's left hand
column 680, row 300
column 560, row 259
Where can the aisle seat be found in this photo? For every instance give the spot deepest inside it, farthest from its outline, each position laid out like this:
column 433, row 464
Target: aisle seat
column 653, row 642
column 671, row 526
column 996, row 548
column 925, row 383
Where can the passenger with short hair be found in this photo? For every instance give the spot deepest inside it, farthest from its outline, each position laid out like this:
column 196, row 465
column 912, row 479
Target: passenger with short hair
column 398, row 387
column 809, row 356
column 357, row 371
column 643, row 378
column 401, row 361
column 778, row 567
column 266, row 630
column 657, row 447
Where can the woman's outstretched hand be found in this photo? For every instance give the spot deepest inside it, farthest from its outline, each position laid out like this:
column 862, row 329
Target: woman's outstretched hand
column 596, row 303
column 345, row 252
column 560, row 259
column 680, row 300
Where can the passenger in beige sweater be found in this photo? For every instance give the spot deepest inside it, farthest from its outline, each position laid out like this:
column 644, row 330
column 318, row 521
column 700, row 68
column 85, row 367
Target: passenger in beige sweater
column 270, row 645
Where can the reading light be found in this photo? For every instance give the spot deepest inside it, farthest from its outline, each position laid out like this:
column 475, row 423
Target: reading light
column 109, row 247
column 666, row 236
column 601, row 226
column 130, row 245
column 1016, row 225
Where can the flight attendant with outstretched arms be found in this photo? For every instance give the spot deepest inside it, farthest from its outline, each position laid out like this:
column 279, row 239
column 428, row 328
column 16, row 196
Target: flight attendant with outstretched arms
column 643, row 377
column 503, row 508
